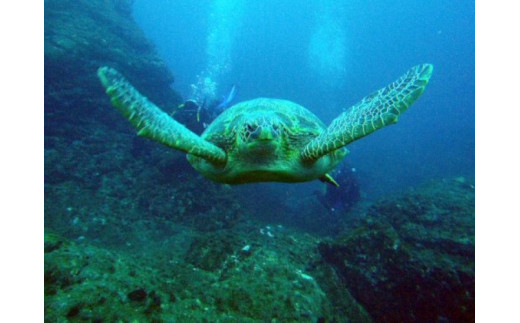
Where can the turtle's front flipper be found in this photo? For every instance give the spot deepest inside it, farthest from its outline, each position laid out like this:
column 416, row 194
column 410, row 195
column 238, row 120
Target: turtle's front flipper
column 371, row 113
column 152, row 122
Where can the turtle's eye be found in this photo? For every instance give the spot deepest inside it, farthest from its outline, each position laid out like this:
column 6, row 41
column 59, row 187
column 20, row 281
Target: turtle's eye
column 250, row 128
column 250, row 131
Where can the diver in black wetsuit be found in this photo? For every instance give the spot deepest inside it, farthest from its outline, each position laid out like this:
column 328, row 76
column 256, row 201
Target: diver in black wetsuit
column 206, row 112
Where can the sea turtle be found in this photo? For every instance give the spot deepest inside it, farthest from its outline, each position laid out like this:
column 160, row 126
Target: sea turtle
column 267, row 140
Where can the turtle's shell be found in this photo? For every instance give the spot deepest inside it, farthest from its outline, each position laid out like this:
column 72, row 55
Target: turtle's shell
column 263, row 139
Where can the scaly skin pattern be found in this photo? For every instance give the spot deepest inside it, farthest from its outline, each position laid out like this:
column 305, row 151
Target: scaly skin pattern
column 372, row 113
column 263, row 139
column 154, row 123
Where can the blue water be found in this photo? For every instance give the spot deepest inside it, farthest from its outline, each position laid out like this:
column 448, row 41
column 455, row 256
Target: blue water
column 326, row 55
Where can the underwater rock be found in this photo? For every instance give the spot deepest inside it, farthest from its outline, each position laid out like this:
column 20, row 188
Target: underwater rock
column 413, row 257
column 137, row 295
column 275, row 282
column 87, row 283
column 53, row 242
column 86, row 152
column 210, row 251
column 80, row 36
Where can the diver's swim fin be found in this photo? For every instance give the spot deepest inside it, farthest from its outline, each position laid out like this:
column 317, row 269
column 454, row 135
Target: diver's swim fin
column 226, row 101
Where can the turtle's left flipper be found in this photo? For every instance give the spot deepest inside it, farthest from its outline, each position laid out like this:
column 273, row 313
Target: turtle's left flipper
column 154, row 123
column 373, row 112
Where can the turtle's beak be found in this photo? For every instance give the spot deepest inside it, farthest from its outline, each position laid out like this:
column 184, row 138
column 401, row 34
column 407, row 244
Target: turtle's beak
column 260, row 139
column 263, row 133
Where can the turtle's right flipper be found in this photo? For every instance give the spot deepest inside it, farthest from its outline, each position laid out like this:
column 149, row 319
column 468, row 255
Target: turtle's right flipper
column 152, row 122
column 373, row 112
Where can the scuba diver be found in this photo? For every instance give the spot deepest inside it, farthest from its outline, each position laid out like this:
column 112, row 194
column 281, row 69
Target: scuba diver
column 206, row 111
column 344, row 196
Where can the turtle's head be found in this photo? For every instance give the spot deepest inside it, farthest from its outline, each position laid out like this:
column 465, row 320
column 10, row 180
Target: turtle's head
column 262, row 133
column 263, row 139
